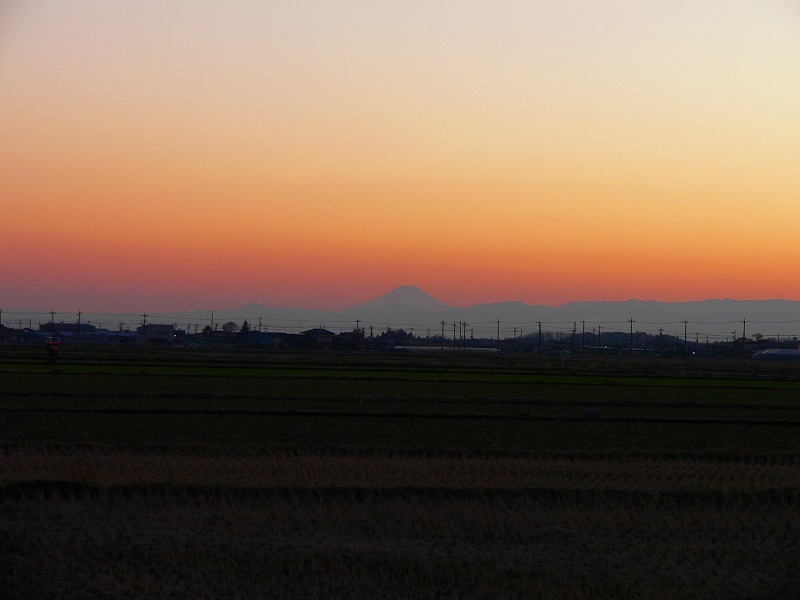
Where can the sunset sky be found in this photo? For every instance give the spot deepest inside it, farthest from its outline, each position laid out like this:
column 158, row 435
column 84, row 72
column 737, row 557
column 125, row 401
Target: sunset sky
column 185, row 155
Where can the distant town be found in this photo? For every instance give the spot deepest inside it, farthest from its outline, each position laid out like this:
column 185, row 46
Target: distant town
column 232, row 335
column 411, row 320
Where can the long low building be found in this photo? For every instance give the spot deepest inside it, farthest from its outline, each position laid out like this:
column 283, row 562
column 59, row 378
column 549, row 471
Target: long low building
column 778, row 354
column 156, row 333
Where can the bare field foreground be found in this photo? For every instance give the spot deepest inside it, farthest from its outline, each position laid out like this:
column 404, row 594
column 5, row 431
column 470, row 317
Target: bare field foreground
column 250, row 475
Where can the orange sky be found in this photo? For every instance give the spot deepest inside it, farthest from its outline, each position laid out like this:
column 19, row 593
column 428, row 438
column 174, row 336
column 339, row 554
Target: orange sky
column 181, row 155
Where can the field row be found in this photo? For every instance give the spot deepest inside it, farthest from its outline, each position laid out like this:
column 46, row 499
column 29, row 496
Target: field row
column 315, row 544
column 57, row 389
column 589, row 415
column 142, row 399
column 121, row 359
column 427, row 404
column 313, row 470
column 364, row 431
column 429, row 373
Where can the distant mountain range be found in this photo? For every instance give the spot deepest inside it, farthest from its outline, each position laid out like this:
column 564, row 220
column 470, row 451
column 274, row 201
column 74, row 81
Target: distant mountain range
column 409, row 307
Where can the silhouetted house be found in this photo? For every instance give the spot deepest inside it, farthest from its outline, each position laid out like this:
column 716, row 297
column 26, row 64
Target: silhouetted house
column 296, row 341
column 121, row 338
column 155, row 333
column 263, row 339
column 6, row 333
column 349, row 340
column 320, row 337
column 29, row 337
column 210, row 338
column 66, row 328
column 104, row 337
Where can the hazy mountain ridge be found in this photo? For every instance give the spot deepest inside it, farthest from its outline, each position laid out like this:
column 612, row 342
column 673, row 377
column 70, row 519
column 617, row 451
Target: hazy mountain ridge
column 409, row 306
column 407, row 297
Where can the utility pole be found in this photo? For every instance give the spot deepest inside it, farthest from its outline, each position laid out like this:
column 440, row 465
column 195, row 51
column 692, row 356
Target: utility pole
column 583, row 335
column 79, row 325
column 685, row 340
column 744, row 337
column 259, row 323
column 454, row 336
column 498, row 335
column 660, row 339
column 442, row 335
column 631, row 321
column 144, row 319
column 540, row 334
column 599, row 335
column 358, row 321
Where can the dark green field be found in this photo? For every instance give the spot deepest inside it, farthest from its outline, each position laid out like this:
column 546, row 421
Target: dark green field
column 178, row 474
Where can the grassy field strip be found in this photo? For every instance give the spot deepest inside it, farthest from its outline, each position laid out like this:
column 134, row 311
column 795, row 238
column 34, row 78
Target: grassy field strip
column 112, row 467
column 783, row 498
column 257, row 451
column 242, row 394
column 368, row 432
column 300, row 413
column 264, row 397
column 390, row 376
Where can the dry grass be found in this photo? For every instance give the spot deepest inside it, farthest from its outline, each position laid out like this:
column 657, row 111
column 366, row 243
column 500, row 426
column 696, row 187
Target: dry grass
column 280, row 469
column 189, row 524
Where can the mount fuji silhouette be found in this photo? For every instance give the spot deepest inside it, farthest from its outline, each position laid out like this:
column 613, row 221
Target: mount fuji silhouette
column 409, row 306
column 405, row 297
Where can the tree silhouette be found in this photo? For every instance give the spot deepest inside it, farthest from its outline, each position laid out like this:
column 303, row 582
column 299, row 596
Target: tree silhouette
column 244, row 331
column 230, row 327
